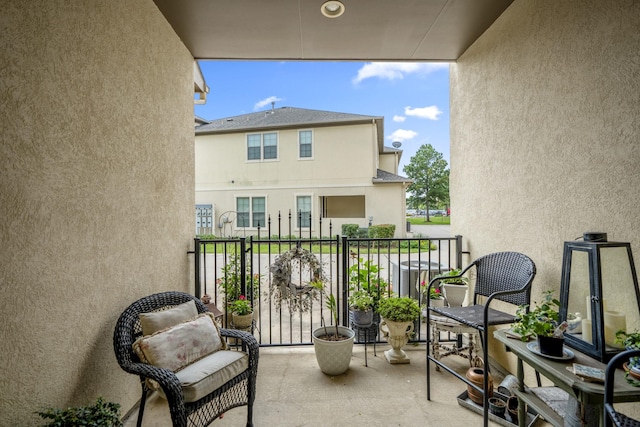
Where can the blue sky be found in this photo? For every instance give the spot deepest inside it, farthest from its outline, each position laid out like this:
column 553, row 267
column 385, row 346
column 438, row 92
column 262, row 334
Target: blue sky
column 412, row 97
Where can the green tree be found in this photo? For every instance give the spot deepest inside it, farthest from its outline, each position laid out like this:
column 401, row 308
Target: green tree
column 430, row 176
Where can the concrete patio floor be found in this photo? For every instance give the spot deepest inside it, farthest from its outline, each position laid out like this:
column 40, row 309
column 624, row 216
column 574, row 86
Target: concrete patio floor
column 292, row 391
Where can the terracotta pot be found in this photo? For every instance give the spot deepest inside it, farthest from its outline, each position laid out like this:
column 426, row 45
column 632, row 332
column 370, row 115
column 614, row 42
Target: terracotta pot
column 476, row 376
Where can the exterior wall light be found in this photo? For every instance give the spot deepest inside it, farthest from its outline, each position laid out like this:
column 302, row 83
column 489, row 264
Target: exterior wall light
column 332, row 8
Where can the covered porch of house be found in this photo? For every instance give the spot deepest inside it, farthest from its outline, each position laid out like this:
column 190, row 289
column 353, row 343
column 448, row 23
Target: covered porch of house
column 292, row 391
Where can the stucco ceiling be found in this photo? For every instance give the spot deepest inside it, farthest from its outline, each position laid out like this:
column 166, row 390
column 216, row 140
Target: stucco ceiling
column 371, row 30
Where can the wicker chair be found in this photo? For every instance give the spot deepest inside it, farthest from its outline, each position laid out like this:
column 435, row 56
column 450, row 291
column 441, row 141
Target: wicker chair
column 611, row 416
column 505, row 276
column 239, row 391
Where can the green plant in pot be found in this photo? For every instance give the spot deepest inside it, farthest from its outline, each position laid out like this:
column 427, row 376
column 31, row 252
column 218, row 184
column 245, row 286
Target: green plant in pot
column 365, row 275
column 630, row 341
column 361, row 307
column 398, row 317
column 454, row 288
column 541, row 322
column 333, row 345
column 242, row 313
column 229, row 282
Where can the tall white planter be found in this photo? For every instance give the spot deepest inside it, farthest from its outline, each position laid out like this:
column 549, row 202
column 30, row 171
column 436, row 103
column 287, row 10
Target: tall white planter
column 397, row 335
column 333, row 357
column 455, row 294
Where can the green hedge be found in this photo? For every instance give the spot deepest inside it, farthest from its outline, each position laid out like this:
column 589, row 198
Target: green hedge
column 382, row 231
column 350, row 230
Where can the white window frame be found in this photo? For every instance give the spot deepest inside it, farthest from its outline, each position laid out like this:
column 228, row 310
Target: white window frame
column 300, row 144
column 295, row 203
column 251, row 197
column 262, row 147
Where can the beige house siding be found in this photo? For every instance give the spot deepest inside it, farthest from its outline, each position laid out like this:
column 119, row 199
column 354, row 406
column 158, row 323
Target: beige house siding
column 544, row 133
column 96, row 194
column 344, row 163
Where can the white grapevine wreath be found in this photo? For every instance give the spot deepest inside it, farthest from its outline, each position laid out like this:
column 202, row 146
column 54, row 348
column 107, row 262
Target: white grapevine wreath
column 283, row 289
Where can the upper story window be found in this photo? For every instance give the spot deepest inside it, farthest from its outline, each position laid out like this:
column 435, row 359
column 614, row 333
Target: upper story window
column 262, row 146
column 305, row 144
column 251, row 211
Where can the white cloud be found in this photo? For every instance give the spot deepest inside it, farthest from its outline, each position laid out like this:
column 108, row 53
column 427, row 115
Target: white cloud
column 402, row 135
column 396, row 70
column 399, row 119
column 266, row 101
column 430, row 113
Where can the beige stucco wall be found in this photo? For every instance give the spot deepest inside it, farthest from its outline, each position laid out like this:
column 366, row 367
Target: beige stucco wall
column 545, row 133
column 343, row 164
column 96, row 192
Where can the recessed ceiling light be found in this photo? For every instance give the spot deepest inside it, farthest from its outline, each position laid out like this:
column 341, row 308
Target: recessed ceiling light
column 332, row 8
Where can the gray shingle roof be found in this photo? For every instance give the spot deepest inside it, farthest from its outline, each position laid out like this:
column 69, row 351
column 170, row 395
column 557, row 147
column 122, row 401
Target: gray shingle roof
column 384, row 176
column 281, row 118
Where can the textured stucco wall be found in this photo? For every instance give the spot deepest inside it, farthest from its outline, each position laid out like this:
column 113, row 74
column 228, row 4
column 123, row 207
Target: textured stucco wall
column 96, row 191
column 545, row 132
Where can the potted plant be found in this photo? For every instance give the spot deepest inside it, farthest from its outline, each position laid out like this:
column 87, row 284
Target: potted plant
column 365, row 276
column 454, row 288
column 398, row 317
column 101, row 413
column 229, row 283
column 630, row 341
column 542, row 323
column 242, row 313
column 361, row 308
column 333, row 345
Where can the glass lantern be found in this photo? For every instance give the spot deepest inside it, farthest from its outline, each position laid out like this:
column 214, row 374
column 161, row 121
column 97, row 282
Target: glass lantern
column 599, row 294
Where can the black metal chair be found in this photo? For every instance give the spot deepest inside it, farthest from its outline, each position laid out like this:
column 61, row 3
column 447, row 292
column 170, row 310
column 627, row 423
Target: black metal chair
column 610, row 415
column 504, row 276
column 238, row 391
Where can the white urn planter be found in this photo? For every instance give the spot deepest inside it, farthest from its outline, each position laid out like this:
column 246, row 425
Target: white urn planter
column 397, row 335
column 455, row 293
column 333, row 357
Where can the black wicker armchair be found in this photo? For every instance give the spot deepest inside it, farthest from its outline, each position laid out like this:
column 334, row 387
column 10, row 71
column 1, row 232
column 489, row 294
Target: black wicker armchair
column 504, row 276
column 611, row 416
column 238, row 391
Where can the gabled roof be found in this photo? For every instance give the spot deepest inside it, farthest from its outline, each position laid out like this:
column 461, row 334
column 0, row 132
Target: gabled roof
column 388, row 177
column 200, row 121
column 288, row 118
column 283, row 117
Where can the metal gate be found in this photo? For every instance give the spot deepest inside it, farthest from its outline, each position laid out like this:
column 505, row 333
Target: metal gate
column 228, row 268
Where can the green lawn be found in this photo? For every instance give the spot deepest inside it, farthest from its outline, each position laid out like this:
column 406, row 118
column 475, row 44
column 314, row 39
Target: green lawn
column 434, row 220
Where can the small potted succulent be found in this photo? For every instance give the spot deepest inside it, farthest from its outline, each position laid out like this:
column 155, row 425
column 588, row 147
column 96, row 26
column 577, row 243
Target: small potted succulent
column 542, row 322
column 241, row 313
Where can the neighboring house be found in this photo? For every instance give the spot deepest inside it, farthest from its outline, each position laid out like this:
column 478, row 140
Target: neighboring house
column 331, row 165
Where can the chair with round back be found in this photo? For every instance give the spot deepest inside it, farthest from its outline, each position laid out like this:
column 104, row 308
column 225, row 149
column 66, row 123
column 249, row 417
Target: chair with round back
column 238, row 390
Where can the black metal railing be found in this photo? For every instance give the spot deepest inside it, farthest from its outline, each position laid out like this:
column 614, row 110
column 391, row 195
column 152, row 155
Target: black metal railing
column 399, row 262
